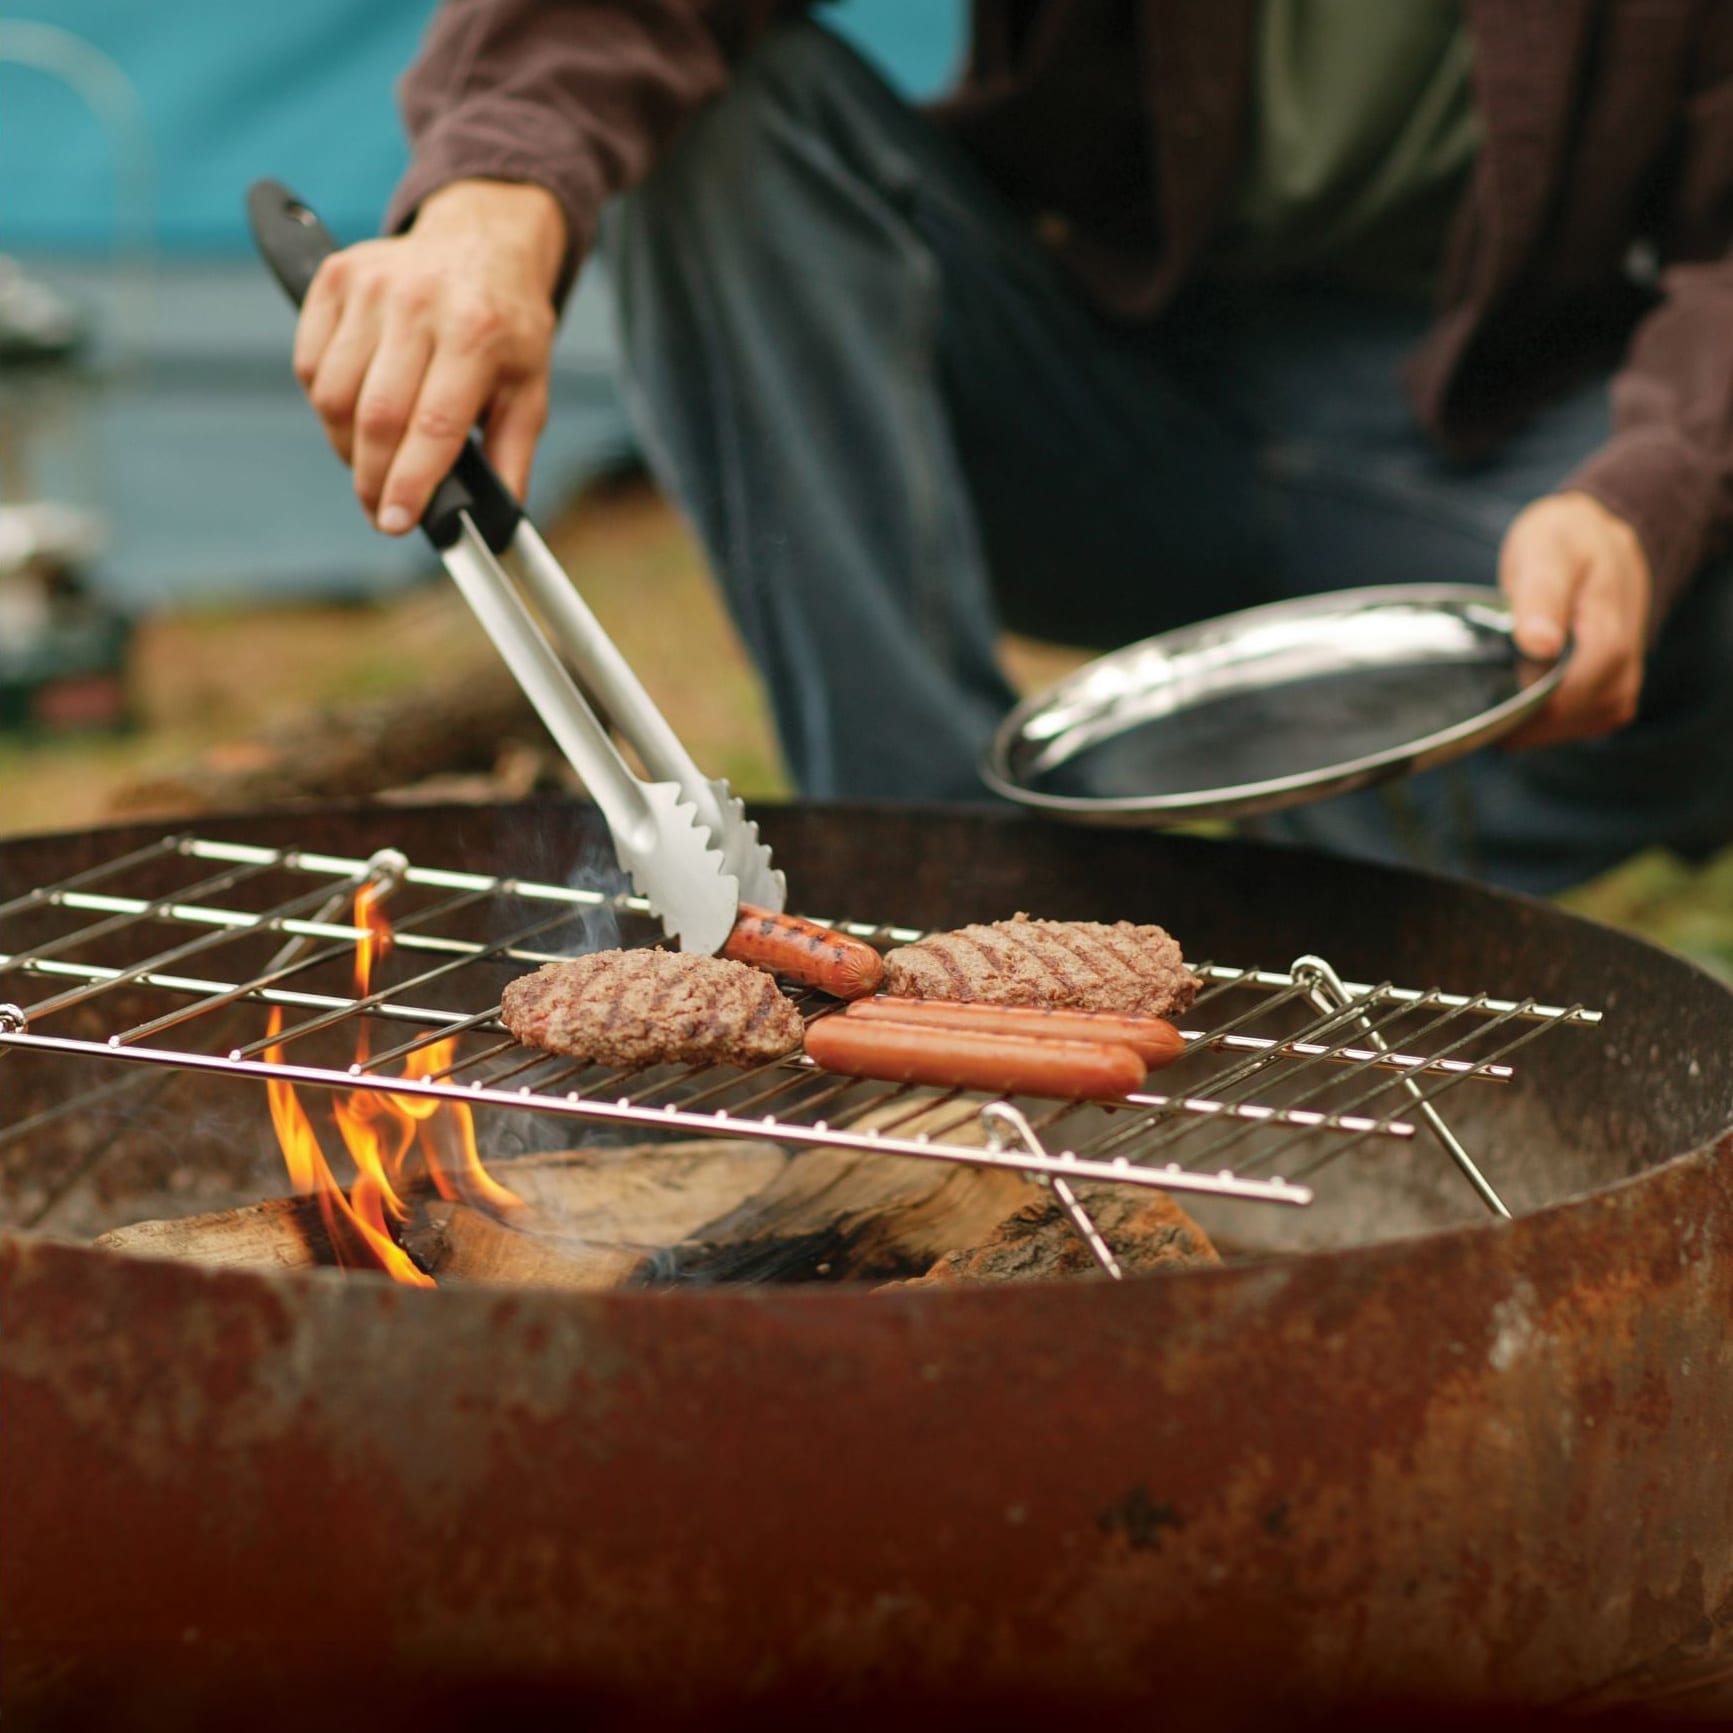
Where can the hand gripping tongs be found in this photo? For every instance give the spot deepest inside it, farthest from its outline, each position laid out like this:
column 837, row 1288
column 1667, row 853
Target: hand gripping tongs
column 686, row 842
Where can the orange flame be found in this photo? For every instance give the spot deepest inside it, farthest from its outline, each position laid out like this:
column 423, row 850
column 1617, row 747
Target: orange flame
column 379, row 1131
column 355, row 1224
column 448, row 1138
column 374, row 944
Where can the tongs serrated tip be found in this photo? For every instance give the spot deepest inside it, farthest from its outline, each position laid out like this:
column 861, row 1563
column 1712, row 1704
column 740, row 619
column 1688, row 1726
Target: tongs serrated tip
column 762, row 883
column 680, row 873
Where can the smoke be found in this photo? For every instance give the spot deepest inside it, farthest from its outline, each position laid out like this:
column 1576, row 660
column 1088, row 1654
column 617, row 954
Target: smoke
column 597, row 870
column 505, row 1134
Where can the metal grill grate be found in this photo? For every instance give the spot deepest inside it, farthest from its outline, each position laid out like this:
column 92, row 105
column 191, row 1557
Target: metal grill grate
column 1284, row 1070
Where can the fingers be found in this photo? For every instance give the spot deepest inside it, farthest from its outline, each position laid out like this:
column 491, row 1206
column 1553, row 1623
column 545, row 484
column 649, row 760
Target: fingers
column 402, row 341
column 457, row 383
column 1591, row 698
column 514, row 425
column 399, row 382
column 320, row 311
column 343, row 365
column 1604, row 679
column 1539, row 572
column 1562, row 579
column 386, row 401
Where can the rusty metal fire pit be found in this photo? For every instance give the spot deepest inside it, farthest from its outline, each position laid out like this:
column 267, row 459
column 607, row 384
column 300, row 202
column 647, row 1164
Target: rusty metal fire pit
column 1396, row 1447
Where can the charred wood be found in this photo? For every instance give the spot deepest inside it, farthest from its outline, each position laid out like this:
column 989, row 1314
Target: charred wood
column 1148, row 1231
column 848, row 1215
column 587, row 1215
column 709, row 1211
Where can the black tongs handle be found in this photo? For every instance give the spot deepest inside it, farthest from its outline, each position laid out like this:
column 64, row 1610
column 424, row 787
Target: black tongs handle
column 294, row 243
column 289, row 236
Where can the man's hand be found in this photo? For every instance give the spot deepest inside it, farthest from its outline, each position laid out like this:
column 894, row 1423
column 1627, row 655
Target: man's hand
column 404, row 342
column 1570, row 565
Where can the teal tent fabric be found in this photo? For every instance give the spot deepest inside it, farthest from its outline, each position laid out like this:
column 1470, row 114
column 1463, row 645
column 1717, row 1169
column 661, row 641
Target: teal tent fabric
column 195, row 445
column 300, row 91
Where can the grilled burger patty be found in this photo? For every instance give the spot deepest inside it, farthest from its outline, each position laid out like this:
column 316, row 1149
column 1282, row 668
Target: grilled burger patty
column 649, row 1007
column 1063, row 965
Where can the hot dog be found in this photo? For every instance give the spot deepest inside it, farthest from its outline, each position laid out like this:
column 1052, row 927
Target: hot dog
column 805, row 952
column 998, row 1064
column 1153, row 1039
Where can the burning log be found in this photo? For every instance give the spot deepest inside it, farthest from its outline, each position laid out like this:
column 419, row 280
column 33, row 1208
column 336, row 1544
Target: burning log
column 590, row 1218
column 850, row 1215
column 713, row 1210
column 641, row 1194
column 853, row 1215
column 453, row 1242
column 1148, row 1231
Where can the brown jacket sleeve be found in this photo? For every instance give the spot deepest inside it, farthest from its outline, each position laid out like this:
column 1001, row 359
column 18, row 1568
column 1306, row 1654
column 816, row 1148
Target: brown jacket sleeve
column 1668, row 468
column 578, row 96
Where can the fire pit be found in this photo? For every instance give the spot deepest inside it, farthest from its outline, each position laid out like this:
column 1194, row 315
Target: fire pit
column 1397, row 1443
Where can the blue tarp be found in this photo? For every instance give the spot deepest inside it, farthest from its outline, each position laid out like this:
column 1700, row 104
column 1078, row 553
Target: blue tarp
column 213, row 477
column 302, row 91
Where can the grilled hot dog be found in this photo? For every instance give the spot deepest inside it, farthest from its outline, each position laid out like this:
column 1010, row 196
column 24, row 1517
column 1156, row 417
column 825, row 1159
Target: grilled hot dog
column 805, row 952
column 998, row 1064
column 1153, row 1039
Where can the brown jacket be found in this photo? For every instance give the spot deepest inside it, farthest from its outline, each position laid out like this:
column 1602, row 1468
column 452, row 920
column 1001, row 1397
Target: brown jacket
column 1608, row 136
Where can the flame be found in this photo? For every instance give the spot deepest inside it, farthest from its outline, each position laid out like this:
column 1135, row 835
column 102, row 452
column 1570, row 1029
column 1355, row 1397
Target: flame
column 448, row 1138
column 375, row 943
column 355, row 1223
column 380, row 1131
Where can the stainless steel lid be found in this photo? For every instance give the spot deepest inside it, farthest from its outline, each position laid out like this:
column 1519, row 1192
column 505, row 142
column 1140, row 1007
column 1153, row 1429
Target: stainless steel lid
column 1273, row 707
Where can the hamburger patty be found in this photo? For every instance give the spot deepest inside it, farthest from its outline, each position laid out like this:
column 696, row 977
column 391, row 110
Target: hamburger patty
column 650, row 1007
column 1063, row 965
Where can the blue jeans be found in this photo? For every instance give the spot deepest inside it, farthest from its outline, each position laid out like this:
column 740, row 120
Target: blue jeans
column 898, row 428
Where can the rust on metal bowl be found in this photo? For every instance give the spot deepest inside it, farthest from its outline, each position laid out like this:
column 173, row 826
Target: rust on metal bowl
column 1493, row 1463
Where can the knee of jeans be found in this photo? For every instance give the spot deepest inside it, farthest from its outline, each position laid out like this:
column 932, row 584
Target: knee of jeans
column 728, row 163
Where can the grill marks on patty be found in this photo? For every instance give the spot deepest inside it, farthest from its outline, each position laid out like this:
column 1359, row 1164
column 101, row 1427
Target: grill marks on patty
column 651, row 1007
column 1063, row 965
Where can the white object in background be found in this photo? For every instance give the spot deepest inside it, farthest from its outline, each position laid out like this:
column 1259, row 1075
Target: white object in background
column 47, row 534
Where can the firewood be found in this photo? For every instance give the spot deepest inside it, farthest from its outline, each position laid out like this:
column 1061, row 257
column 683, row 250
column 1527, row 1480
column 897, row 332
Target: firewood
column 282, row 1233
column 644, row 1197
column 453, row 1242
column 836, row 1214
column 647, row 1195
column 713, row 1210
column 851, row 1214
column 1146, row 1230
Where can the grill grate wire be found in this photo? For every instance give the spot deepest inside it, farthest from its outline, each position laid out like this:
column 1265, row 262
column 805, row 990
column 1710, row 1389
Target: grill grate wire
column 1361, row 1059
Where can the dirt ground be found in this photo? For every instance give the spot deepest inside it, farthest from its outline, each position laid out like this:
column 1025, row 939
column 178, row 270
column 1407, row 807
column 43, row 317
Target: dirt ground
column 202, row 680
column 205, row 680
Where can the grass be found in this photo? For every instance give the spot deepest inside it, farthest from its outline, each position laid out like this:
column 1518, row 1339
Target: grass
column 205, row 680
column 1689, row 910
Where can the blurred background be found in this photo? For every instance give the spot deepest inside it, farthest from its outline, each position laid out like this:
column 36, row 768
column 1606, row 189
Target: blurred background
column 193, row 613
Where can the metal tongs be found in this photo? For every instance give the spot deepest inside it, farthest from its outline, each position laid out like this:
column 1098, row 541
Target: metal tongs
column 685, row 841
